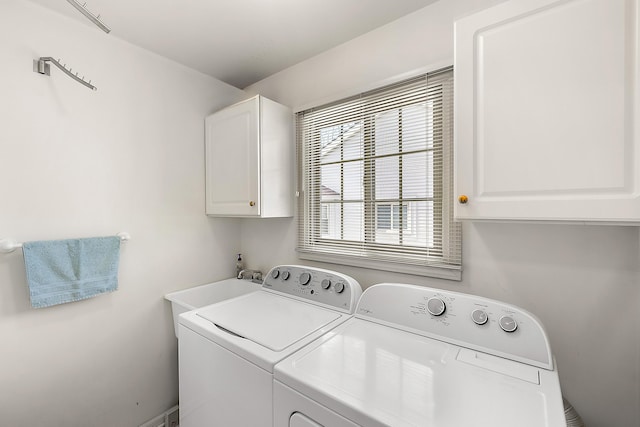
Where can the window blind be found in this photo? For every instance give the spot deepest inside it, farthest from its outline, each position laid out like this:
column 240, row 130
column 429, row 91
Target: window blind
column 376, row 178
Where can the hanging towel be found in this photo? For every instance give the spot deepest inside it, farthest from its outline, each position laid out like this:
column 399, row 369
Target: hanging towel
column 61, row 271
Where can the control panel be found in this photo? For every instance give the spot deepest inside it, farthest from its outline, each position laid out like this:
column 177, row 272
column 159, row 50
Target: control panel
column 466, row 320
column 316, row 285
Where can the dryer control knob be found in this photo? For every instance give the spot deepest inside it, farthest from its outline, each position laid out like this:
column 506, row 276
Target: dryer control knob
column 285, row 275
column 326, row 284
column 479, row 317
column 339, row 287
column 275, row 273
column 508, row 324
column 436, row 306
column 305, row 278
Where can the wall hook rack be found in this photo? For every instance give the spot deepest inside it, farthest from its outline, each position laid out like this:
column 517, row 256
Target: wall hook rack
column 41, row 66
column 82, row 8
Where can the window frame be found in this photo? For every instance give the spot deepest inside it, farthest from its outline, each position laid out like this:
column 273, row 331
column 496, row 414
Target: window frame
column 310, row 209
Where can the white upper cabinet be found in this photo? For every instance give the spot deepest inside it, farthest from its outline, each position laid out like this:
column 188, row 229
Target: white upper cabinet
column 249, row 160
column 547, row 111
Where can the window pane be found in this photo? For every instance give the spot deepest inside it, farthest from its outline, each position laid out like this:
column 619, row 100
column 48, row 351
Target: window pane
column 386, row 134
column 420, row 223
column 330, row 142
column 330, row 220
column 324, row 220
column 414, row 128
column 328, row 135
column 341, row 142
column 396, row 217
column 330, row 182
column 353, row 180
column 417, row 175
column 384, row 232
column 353, row 220
column 353, row 141
column 387, row 173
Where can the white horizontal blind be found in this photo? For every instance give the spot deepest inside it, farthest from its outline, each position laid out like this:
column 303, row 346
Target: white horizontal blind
column 376, row 176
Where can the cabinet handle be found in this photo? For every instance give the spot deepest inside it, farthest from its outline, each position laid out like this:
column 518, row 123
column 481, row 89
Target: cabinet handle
column 252, row 203
column 462, row 199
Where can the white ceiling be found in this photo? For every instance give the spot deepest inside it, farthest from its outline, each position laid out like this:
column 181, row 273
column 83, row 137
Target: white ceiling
column 239, row 41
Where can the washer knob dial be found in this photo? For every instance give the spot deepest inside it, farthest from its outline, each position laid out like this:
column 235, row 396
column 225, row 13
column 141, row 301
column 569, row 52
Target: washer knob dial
column 339, row 287
column 508, row 324
column 285, row 275
column 326, row 284
column 275, row 273
column 305, row 278
column 436, row 306
column 479, row 317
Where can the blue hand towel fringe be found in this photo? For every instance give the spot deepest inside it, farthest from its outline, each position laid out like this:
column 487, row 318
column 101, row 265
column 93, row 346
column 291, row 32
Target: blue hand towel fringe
column 61, row 271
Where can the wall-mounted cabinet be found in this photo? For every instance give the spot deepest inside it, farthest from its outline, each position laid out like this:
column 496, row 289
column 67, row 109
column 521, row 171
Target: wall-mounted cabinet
column 249, row 160
column 547, row 111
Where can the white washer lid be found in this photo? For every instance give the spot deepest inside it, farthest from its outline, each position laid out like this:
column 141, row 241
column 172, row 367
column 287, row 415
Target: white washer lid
column 272, row 321
column 376, row 375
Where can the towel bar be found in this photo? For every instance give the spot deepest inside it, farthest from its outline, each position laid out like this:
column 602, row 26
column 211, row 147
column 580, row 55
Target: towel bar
column 8, row 245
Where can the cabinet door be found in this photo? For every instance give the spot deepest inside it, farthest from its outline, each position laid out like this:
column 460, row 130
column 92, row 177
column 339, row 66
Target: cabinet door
column 546, row 110
column 232, row 160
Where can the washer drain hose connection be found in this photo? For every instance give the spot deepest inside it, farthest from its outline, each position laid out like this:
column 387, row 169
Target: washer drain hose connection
column 571, row 415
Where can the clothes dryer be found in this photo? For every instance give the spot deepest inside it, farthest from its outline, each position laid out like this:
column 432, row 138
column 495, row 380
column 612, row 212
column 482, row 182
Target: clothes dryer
column 227, row 350
column 417, row 356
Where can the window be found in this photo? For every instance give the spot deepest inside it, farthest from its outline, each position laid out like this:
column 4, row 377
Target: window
column 375, row 179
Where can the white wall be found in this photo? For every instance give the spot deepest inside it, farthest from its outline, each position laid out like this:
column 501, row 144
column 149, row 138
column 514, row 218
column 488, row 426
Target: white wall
column 582, row 281
column 77, row 163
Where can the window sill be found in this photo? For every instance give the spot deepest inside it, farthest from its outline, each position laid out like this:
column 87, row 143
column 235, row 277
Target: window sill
column 436, row 272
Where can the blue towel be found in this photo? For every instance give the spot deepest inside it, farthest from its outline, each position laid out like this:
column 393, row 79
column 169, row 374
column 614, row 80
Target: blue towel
column 60, row 271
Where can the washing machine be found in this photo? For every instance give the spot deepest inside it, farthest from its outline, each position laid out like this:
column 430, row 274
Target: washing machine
column 417, row 356
column 227, row 350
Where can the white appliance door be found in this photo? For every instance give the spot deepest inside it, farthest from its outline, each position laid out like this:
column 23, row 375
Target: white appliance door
column 292, row 409
column 272, row 321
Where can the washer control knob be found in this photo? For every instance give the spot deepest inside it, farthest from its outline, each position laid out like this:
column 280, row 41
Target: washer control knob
column 326, row 284
column 305, row 278
column 508, row 324
column 479, row 317
column 339, row 287
column 285, row 275
column 275, row 273
column 436, row 306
